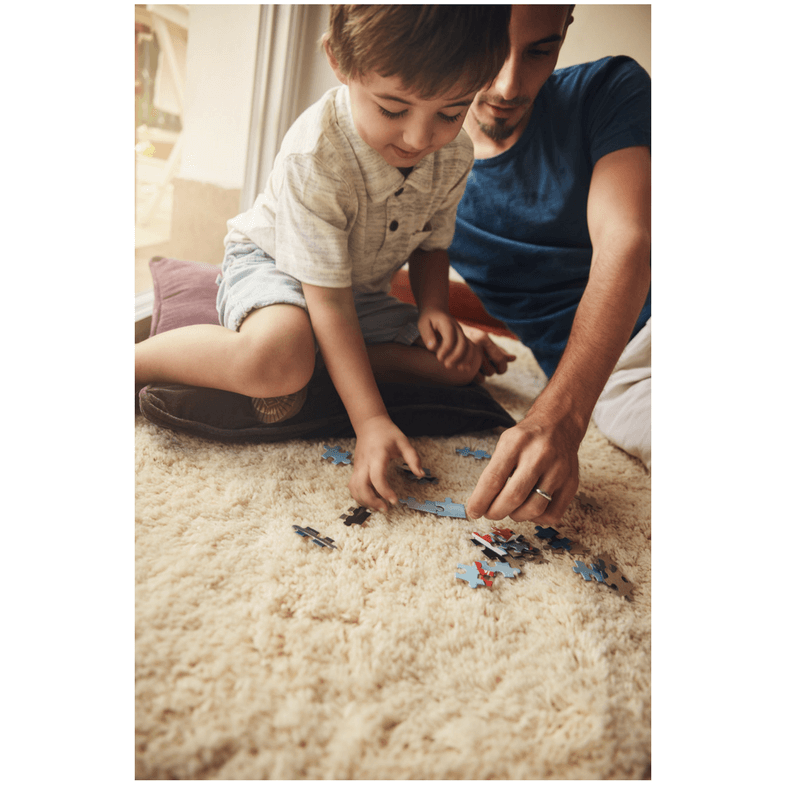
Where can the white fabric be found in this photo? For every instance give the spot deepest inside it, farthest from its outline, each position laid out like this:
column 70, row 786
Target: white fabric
column 623, row 411
column 327, row 212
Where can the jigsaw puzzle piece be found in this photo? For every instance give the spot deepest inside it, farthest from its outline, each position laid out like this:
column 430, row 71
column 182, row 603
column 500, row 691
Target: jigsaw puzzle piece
column 587, row 501
column 357, row 516
column 485, row 541
column 478, row 454
column 337, row 455
column 501, row 568
column 471, row 576
column 411, row 476
column 588, row 572
column 451, row 509
column 315, row 536
column 428, row 506
column 619, row 582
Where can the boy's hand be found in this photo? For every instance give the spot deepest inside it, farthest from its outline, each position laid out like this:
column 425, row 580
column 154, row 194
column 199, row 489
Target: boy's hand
column 494, row 359
column 443, row 336
column 378, row 441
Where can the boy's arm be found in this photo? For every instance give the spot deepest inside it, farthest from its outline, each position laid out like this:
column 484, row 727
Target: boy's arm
column 335, row 323
column 429, row 276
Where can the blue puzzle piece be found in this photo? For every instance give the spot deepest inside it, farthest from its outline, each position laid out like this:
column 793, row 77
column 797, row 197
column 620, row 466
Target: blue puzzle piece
column 479, row 454
column 546, row 533
column 472, row 577
column 336, row 455
column 429, row 505
column 501, row 568
column 582, row 570
column 598, row 573
column 315, row 536
column 560, row 544
column 451, row 509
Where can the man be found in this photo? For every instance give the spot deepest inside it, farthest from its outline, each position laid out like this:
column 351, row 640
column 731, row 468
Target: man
column 553, row 235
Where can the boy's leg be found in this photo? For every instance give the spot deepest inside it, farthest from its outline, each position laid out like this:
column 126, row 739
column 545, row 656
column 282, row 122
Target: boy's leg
column 272, row 354
column 394, row 346
column 401, row 363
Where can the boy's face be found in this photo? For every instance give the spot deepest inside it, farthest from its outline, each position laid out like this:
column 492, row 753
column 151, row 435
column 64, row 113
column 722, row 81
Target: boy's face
column 397, row 123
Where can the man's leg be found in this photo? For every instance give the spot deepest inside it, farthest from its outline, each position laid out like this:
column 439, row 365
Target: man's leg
column 623, row 411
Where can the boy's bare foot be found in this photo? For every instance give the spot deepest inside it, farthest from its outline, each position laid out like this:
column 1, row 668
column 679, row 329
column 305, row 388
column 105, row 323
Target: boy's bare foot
column 278, row 409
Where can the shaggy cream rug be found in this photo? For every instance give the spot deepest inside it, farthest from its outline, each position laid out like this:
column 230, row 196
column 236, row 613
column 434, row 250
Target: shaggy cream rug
column 260, row 655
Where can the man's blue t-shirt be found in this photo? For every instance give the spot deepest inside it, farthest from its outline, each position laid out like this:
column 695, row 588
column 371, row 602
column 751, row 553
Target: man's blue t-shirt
column 522, row 237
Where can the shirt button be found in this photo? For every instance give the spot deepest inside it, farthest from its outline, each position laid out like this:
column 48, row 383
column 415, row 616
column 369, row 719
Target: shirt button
column 393, row 225
column 399, row 191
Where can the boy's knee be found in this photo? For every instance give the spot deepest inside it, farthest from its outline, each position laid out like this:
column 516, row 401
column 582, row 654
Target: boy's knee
column 274, row 361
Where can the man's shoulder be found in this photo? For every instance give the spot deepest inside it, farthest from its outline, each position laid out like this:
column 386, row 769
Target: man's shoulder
column 589, row 75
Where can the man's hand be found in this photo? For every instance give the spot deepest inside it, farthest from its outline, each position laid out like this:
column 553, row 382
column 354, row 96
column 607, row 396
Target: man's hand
column 494, row 360
column 378, row 441
column 443, row 336
column 541, row 451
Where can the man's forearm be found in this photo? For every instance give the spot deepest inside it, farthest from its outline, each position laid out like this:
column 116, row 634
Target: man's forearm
column 616, row 291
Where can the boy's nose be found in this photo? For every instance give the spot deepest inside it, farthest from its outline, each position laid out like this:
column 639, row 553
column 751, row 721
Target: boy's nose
column 418, row 136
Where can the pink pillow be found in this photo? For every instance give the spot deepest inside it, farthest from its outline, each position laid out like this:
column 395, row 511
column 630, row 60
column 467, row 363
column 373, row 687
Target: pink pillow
column 185, row 293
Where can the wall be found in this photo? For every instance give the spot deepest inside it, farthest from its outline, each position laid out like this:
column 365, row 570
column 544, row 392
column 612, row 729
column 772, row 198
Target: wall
column 608, row 30
column 220, row 70
column 220, row 67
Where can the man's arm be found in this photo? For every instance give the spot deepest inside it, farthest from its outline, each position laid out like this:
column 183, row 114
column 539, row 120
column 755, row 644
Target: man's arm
column 541, row 451
column 335, row 324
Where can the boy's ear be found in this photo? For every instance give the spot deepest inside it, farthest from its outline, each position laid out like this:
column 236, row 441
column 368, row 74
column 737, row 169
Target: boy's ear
column 332, row 60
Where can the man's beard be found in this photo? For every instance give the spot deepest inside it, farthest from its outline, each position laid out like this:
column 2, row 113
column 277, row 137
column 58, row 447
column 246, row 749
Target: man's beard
column 498, row 131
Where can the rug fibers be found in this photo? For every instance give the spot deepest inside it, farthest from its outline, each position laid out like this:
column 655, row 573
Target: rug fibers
column 262, row 656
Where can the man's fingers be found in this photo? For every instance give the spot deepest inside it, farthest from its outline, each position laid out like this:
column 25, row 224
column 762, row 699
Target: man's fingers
column 491, row 483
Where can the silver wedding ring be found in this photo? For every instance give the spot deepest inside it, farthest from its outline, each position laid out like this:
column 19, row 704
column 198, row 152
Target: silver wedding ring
column 544, row 494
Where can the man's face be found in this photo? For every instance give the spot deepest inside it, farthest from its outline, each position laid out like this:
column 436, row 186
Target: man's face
column 400, row 125
column 536, row 33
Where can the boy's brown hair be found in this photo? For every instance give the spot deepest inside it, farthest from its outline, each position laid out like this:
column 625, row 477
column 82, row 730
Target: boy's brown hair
column 431, row 49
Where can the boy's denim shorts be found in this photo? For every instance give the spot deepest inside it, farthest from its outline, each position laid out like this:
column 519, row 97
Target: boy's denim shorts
column 250, row 280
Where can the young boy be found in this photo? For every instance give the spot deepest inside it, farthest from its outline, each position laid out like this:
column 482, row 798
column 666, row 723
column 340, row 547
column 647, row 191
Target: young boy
column 366, row 179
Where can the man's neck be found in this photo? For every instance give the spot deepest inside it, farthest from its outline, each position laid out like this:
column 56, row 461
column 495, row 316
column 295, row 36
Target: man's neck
column 487, row 146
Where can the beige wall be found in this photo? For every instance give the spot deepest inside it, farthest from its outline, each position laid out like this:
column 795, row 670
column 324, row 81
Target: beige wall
column 608, row 30
column 220, row 68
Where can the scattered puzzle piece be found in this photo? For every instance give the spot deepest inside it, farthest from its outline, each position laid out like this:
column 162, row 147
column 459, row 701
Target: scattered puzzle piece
column 620, row 583
column 484, row 573
column 337, row 455
column 472, row 576
column 479, row 454
column 315, row 536
column 411, row 476
column 581, row 569
column 503, row 533
column 546, row 533
column 501, row 568
column 451, row 509
column 428, row 506
column 587, row 501
column 599, row 572
column 485, row 541
column 358, row 516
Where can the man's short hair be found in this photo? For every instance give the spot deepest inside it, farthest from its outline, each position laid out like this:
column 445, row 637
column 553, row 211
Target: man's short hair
column 431, row 49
